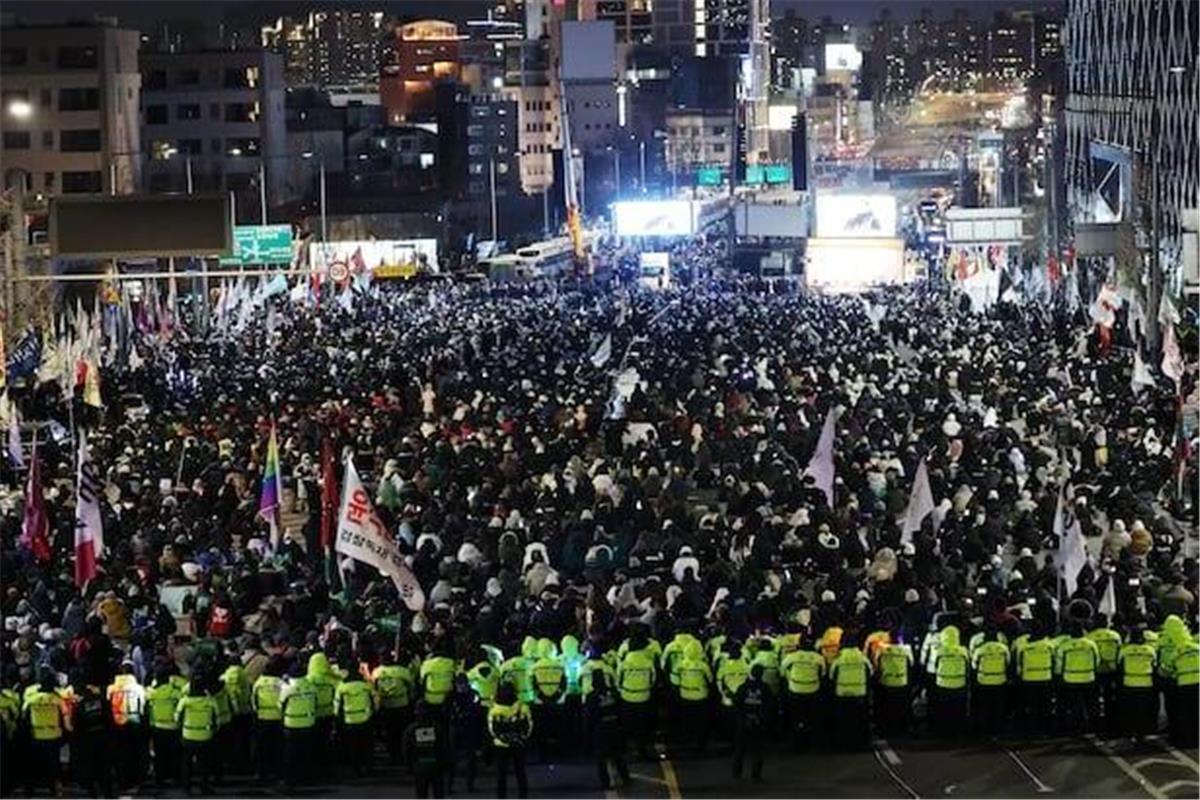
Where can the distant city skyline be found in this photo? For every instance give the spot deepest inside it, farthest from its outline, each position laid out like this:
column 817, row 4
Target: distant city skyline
column 863, row 11
column 146, row 15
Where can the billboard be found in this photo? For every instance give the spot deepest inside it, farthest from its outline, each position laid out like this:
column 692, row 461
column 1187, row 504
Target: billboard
column 385, row 258
column 654, row 218
column 768, row 219
column 985, row 225
column 260, row 244
column 851, row 265
column 133, row 226
column 779, row 117
column 841, row 216
column 842, row 56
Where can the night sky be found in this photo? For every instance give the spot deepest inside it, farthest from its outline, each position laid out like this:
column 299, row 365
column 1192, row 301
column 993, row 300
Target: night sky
column 145, row 14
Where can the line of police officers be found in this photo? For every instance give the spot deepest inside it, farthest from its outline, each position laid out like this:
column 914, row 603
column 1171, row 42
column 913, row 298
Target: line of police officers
column 431, row 713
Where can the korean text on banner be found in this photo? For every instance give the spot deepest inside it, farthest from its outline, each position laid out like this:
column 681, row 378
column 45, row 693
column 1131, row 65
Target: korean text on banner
column 361, row 536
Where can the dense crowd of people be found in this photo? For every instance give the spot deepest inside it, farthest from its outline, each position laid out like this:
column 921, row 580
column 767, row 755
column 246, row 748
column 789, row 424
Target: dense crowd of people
column 609, row 501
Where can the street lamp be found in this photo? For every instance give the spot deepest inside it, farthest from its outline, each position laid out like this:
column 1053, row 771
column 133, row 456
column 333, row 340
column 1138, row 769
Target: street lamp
column 20, row 108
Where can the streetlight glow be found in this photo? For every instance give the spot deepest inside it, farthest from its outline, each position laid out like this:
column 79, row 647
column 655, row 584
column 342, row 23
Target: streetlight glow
column 20, row 108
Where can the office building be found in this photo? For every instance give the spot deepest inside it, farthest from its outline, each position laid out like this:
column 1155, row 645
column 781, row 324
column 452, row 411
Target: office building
column 69, row 108
column 220, row 117
column 422, row 55
column 1131, row 117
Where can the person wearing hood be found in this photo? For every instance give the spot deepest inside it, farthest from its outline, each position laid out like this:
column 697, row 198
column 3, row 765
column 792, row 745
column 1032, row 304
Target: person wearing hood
column 1173, row 638
column 324, row 681
column 692, row 679
column 949, row 697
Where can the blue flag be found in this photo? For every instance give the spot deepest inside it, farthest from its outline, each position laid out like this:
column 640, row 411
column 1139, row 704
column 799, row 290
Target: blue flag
column 25, row 358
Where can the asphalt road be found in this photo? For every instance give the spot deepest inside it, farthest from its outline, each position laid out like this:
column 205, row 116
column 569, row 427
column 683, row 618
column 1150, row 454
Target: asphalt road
column 904, row 769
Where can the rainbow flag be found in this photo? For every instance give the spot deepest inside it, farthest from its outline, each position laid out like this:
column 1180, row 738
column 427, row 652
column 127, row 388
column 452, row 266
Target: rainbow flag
column 268, row 503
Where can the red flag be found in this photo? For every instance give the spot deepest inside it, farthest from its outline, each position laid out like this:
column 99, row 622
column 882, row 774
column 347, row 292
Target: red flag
column 35, row 527
column 329, row 495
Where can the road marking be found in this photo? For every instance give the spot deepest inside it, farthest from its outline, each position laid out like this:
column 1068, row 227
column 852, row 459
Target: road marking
column 648, row 778
column 1152, row 760
column 1123, row 765
column 891, row 755
column 668, row 770
column 611, row 792
column 1041, row 787
column 1173, row 785
column 883, row 762
column 1183, row 758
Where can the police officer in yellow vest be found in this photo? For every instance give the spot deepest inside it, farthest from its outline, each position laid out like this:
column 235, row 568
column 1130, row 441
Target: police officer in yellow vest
column 636, row 675
column 989, row 664
column 10, row 723
column 1185, row 700
column 394, row 688
column 1108, row 647
column 161, row 703
column 222, row 750
column 510, row 725
column 950, row 664
column 892, row 689
column 802, row 671
column 237, row 738
column 197, row 718
column 733, row 669
column 46, row 715
column 850, row 674
column 437, row 679
column 298, row 699
column 1034, row 657
column 550, row 686
column 694, row 690
column 1076, row 661
column 1137, row 698
column 354, row 705
column 324, row 680
column 267, row 707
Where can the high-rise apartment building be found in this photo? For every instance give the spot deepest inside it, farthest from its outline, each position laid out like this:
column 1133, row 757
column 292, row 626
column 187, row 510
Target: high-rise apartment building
column 340, row 47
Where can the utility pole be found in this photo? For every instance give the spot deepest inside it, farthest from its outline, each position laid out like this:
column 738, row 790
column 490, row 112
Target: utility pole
column 642, row 166
column 324, row 219
column 617, row 172
column 187, row 166
column 262, row 188
column 492, row 193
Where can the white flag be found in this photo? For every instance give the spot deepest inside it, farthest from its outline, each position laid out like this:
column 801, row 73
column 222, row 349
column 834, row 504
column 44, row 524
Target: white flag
column 920, row 504
column 1172, row 359
column 820, row 466
column 1108, row 603
column 1072, row 550
column 8, row 412
column 1141, row 373
column 602, row 353
column 89, row 527
column 364, row 538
